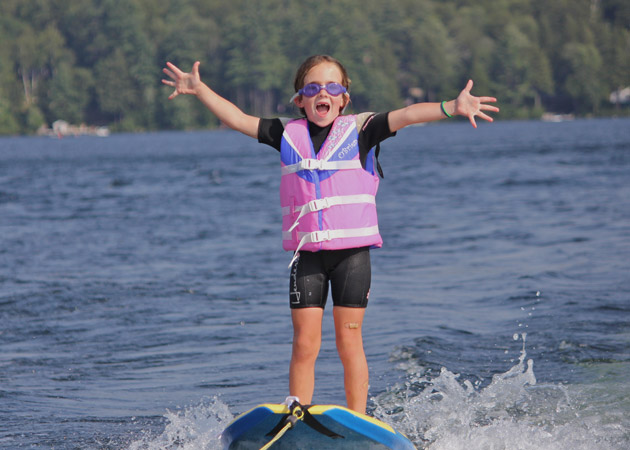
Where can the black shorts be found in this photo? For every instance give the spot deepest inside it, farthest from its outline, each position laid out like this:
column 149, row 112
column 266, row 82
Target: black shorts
column 348, row 271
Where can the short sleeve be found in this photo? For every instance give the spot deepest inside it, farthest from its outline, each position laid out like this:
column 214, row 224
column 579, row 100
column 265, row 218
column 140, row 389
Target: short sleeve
column 270, row 131
column 373, row 128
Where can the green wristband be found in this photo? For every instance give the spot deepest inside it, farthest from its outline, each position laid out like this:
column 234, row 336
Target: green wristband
column 444, row 110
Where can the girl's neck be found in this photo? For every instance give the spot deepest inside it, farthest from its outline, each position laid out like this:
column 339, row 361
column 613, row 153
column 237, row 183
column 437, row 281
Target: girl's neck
column 318, row 134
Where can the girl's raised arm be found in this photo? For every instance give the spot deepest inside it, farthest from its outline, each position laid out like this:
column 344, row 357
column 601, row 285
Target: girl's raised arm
column 465, row 104
column 226, row 111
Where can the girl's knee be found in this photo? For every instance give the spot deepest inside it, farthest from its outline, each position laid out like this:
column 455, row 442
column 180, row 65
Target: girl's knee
column 348, row 332
column 349, row 342
column 305, row 348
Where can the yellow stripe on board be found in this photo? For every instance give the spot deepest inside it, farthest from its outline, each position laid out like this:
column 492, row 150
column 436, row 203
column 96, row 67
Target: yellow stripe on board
column 275, row 408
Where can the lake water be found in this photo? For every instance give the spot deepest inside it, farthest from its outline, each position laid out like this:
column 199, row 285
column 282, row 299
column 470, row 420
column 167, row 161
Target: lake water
column 144, row 292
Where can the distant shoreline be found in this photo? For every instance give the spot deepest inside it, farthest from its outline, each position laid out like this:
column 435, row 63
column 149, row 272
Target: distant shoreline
column 61, row 128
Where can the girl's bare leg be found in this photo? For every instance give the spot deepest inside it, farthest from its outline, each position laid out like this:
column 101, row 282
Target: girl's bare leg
column 348, row 333
column 307, row 338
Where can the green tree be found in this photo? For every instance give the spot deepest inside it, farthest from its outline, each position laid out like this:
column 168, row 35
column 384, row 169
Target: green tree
column 37, row 54
column 69, row 93
column 615, row 45
column 8, row 122
column 255, row 61
column 616, row 12
column 474, row 47
column 125, row 72
column 9, row 87
column 182, row 35
column 116, row 86
column 522, row 70
column 583, row 82
column 434, row 59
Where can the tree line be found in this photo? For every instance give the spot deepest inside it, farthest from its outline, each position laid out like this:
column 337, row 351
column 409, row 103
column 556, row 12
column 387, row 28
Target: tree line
column 99, row 61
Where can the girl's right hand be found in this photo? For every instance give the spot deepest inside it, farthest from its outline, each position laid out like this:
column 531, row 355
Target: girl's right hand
column 183, row 82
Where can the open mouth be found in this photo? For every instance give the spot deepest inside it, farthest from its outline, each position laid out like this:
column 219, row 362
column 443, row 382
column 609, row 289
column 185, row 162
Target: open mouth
column 322, row 108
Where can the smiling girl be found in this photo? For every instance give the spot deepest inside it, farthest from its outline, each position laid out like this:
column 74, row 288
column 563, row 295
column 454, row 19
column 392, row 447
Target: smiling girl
column 327, row 192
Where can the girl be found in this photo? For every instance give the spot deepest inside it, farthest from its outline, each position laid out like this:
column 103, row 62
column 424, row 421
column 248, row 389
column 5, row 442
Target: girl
column 327, row 191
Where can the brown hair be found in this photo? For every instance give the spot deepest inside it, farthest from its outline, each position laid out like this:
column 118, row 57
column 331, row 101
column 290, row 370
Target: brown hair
column 312, row 61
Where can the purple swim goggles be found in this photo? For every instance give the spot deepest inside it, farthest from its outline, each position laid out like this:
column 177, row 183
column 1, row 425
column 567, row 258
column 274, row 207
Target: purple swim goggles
column 312, row 89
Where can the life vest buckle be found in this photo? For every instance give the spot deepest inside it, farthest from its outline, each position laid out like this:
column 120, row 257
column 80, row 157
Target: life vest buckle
column 319, row 204
column 311, row 164
column 320, row 236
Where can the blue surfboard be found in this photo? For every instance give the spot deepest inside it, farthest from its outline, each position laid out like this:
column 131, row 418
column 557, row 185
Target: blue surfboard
column 310, row 427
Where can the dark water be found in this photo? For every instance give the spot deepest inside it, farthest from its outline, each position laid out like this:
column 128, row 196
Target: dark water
column 143, row 290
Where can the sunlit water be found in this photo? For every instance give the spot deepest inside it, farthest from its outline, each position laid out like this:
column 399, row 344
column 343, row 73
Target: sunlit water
column 143, row 291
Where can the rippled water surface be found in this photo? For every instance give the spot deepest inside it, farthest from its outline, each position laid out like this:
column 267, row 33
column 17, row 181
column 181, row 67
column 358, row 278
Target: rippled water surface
column 143, row 289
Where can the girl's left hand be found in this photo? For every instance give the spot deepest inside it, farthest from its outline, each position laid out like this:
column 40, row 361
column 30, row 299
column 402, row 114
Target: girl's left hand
column 470, row 106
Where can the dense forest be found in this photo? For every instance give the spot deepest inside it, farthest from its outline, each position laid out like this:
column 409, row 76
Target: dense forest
column 99, row 61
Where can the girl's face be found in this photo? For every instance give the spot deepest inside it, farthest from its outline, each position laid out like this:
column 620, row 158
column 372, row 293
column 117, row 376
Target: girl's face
column 323, row 108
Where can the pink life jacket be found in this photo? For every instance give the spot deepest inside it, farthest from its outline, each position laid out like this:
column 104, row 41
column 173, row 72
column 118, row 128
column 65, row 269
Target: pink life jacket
column 327, row 198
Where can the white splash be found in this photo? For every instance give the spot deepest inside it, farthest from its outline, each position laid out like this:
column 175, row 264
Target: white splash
column 512, row 412
column 193, row 428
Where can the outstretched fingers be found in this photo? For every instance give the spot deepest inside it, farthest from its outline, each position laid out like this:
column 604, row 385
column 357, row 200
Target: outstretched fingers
column 484, row 116
column 183, row 82
column 487, row 99
column 479, row 113
column 169, row 74
column 173, row 72
column 482, row 105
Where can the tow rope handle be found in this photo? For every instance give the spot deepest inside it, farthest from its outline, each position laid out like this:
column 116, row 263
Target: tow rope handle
column 298, row 412
column 285, row 424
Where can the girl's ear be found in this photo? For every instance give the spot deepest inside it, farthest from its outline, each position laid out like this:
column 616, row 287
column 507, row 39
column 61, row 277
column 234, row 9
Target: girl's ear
column 346, row 96
column 297, row 99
